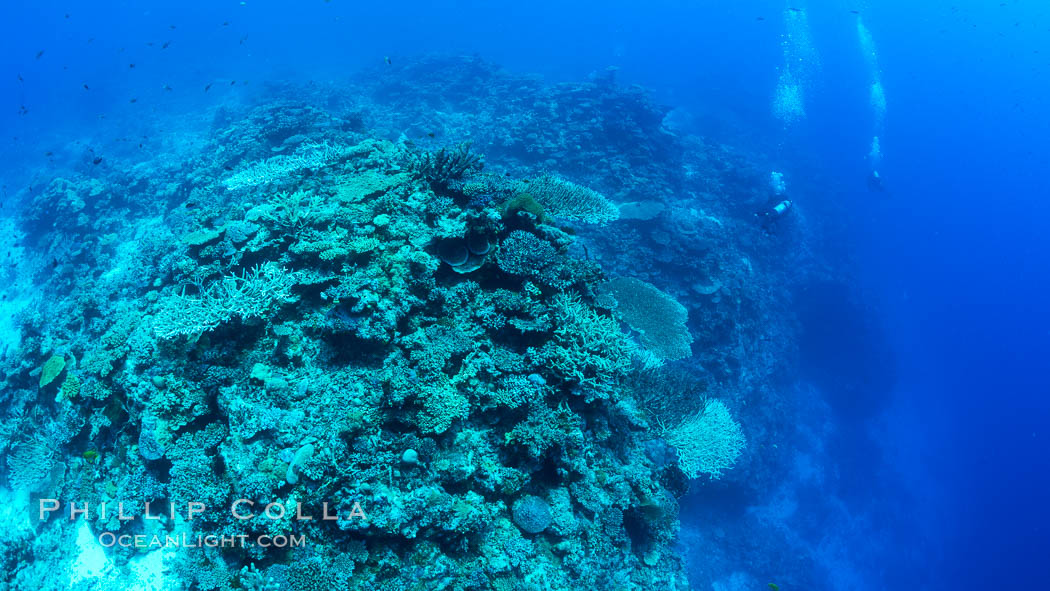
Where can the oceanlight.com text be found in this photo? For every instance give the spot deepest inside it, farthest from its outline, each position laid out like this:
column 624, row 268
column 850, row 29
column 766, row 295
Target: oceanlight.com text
column 149, row 542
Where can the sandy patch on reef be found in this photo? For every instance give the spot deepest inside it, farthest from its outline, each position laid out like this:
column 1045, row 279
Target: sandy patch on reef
column 14, row 285
column 91, row 562
column 92, row 565
column 15, row 511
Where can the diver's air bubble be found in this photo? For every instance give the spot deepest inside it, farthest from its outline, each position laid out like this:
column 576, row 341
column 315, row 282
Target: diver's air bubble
column 776, row 182
column 877, row 94
column 867, row 47
column 800, row 54
column 875, row 154
column 788, row 100
column 801, row 64
column 878, row 101
column 871, row 58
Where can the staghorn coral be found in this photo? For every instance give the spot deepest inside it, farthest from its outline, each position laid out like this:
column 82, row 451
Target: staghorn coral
column 278, row 168
column 291, row 212
column 446, row 165
column 249, row 295
column 588, row 348
column 707, row 443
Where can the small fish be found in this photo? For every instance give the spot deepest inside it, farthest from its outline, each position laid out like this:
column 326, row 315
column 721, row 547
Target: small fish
column 208, row 87
column 855, row 11
column 243, row 39
column 430, row 134
column 67, row 15
column 232, row 82
column 20, row 78
column 166, row 87
column 149, row 44
column 166, row 44
column 387, row 60
column 54, row 263
column 227, row 167
column 225, row 23
column 39, row 54
column 172, row 27
column 48, row 154
column 760, row 18
column 22, row 110
column 794, row 9
column 134, row 100
column 132, row 66
column 86, row 87
column 97, row 160
column 91, row 40
column 140, row 146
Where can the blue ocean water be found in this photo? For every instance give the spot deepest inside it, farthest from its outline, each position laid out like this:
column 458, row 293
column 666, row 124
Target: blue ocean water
column 917, row 456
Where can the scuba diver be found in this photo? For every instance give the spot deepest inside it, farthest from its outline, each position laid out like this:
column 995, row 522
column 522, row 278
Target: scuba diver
column 875, row 158
column 770, row 216
column 875, row 182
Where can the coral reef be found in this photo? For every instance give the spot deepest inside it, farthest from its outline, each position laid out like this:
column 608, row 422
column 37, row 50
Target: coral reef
column 457, row 349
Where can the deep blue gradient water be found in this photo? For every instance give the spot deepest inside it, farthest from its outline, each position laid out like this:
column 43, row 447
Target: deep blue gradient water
column 944, row 442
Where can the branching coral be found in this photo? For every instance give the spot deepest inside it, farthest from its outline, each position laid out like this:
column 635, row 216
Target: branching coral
column 307, row 157
column 446, row 165
column 588, row 349
column 249, row 295
column 708, row 443
column 252, row 579
column 442, row 405
column 291, row 212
